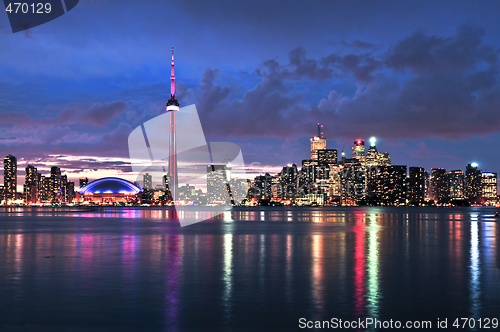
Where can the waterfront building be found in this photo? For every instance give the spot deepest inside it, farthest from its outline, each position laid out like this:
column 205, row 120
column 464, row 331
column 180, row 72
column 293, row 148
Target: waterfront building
column 456, row 184
column 218, row 177
column 473, row 184
column 147, row 181
column 388, row 185
column 55, row 185
column 439, row 185
column 30, row 185
column 416, row 185
column 10, row 177
column 110, row 191
column 289, row 179
column 489, row 184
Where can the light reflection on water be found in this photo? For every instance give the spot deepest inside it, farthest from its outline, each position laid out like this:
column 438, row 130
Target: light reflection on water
column 246, row 269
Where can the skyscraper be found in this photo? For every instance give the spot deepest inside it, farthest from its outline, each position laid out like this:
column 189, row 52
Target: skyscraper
column 218, row 177
column 64, row 188
column 376, row 158
column 10, row 177
column 70, row 190
column 489, row 183
column 372, row 154
column 358, row 151
column 456, row 184
column 473, row 184
column 147, row 181
column 327, row 157
column 31, row 184
column 172, row 107
column 289, row 179
column 439, row 185
column 388, row 187
column 55, row 184
column 317, row 143
column 416, row 185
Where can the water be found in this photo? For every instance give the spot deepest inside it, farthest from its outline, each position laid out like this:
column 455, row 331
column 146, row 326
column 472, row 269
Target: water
column 249, row 270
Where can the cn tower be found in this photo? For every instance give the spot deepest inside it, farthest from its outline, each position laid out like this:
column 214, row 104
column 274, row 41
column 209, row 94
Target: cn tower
column 172, row 107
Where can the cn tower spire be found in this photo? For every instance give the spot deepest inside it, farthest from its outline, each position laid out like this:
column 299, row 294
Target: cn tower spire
column 172, row 108
column 172, row 78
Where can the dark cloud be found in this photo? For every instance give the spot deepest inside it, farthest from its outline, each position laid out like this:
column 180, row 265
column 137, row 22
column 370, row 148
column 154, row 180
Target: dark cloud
column 101, row 114
column 452, row 93
column 358, row 44
column 421, row 52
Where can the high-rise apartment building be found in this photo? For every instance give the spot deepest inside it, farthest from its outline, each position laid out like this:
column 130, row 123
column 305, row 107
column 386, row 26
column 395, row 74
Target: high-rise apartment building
column 55, row 184
column 416, row 185
column 489, row 183
column 456, row 184
column 147, row 180
column 10, row 177
column 439, row 185
column 31, row 185
column 473, row 184
column 218, row 177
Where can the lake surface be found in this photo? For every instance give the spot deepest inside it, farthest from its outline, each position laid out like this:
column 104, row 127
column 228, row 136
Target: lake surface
column 251, row 269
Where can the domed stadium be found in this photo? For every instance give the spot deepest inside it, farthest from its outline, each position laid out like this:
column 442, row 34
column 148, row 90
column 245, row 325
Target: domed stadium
column 109, row 190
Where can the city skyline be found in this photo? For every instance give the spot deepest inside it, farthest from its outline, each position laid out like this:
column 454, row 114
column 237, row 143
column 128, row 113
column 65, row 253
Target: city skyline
column 428, row 92
column 253, row 170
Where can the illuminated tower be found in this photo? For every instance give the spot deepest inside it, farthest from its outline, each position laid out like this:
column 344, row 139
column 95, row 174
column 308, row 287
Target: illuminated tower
column 172, row 107
column 358, row 151
column 317, row 143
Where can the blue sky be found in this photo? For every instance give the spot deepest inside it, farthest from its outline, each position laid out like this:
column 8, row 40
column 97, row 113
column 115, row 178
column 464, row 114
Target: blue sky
column 421, row 76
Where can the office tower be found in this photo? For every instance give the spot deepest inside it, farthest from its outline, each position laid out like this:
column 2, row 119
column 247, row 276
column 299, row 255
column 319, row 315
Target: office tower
column 1, row 193
column 218, row 177
column 416, row 185
column 64, row 188
column 307, row 177
column 372, row 154
column 473, row 184
column 10, row 177
column 31, row 185
column 147, row 181
column 276, row 189
column 376, row 158
column 43, row 188
column 261, row 187
column 489, row 183
column 317, row 143
column 327, row 157
column 456, row 184
column 172, row 108
column 186, row 192
column 84, row 182
column 358, row 151
column 439, row 185
column 55, row 184
column 289, row 179
column 427, row 185
column 389, row 185
column 70, row 192
column 352, row 183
